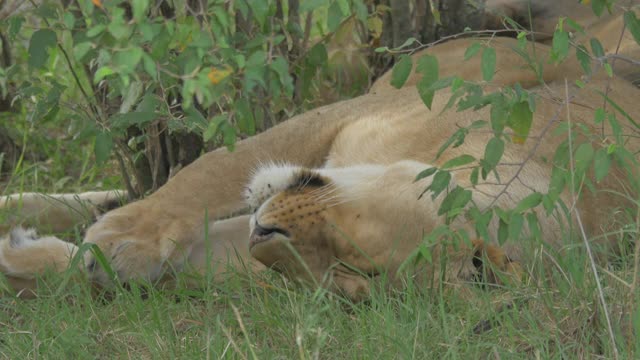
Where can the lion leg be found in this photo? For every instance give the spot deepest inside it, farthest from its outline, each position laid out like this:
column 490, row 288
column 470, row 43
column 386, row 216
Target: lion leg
column 24, row 257
column 493, row 265
column 56, row 212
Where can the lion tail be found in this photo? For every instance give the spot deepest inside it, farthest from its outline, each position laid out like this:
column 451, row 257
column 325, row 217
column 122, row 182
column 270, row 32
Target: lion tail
column 56, row 212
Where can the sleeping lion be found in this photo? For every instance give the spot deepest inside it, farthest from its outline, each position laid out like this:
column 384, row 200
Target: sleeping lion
column 330, row 196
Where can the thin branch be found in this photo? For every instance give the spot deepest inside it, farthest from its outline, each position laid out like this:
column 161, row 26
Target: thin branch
column 592, row 261
column 94, row 109
column 531, row 153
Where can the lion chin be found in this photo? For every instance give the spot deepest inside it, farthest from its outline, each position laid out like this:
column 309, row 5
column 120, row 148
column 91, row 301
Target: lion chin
column 330, row 197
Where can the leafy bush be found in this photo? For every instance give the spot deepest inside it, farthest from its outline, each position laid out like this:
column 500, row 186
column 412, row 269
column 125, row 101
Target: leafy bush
column 130, row 73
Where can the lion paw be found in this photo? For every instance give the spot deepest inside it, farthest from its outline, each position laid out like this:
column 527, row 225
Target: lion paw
column 139, row 242
column 267, row 181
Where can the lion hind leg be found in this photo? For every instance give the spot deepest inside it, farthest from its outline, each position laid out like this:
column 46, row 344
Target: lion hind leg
column 24, row 257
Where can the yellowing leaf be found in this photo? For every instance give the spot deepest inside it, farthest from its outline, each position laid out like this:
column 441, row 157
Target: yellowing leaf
column 97, row 3
column 186, row 43
column 217, row 75
column 375, row 26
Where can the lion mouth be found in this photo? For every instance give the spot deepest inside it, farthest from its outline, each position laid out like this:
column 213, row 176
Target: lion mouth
column 261, row 234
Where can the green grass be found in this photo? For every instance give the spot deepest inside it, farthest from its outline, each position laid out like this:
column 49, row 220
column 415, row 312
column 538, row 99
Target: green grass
column 552, row 315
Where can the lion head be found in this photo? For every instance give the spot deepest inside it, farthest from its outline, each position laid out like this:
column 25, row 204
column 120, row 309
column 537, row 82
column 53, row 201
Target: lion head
column 341, row 227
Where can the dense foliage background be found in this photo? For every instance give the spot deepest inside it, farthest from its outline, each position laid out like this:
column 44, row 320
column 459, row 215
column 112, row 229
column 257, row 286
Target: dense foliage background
column 125, row 93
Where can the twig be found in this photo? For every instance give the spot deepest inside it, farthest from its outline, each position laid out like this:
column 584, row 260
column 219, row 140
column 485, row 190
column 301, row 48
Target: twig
column 127, row 180
column 492, row 33
column 592, row 262
column 606, row 90
column 531, row 153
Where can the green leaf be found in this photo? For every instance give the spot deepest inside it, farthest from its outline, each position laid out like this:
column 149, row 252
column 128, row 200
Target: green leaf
column 596, row 47
column 118, row 26
column 601, row 164
column 584, row 59
column 529, row 202
column 499, row 114
column 133, row 93
column 471, row 51
column 488, row 63
column 440, row 182
column 309, row 5
column 474, row 176
column 458, row 161
column 261, row 10
column 244, row 116
column 139, row 9
column 515, row 226
column 599, row 116
column 15, row 24
column 503, row 232
column 229, row 136
column 598, row 6
column 193, row 120
column 559, row 45
column 96, row 30
column 214, row 126
column 101, row 73
column 481, row 221
column 428, row 67
column 39, row 45
column 281, row 67
column 458, row 198
column 534, row 226
column 344, row 6
column 149, row 66
column 633, row 24
column 128, row 59
column 425, row 173
column 406, row 43
column 583, row 158
column 102, row 147
column 334, row 16
column 608, row 69
column 401, row 71
column 425, row 252
column 80, row 50
column 318, row 55
column 575, row 25
column 456, row 139
column 492, row 154
column 139, row 119
column 520, row 121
